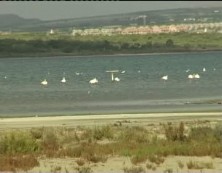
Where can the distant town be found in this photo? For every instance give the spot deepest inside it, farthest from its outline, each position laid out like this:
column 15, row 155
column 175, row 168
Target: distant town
column 143, row 30
column 155, row 29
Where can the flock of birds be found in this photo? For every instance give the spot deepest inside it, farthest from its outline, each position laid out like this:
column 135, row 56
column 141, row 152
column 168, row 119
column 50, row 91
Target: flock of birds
column 92, row 81
column 190, row 76
column 116, row 79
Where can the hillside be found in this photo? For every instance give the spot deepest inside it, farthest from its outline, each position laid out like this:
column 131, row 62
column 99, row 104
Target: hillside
column 11, row 21
column 157, row 17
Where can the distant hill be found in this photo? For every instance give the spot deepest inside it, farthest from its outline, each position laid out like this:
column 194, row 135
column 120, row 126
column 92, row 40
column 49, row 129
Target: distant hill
column 8, row 21
column 158, row 17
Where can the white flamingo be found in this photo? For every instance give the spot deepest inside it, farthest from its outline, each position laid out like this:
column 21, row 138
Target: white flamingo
column 197, row 76
column 117, row 79
column 63, row 80
column 44, row 82
column 193, row 76
column 190, row 76
column 93, row 81
column 165, row 77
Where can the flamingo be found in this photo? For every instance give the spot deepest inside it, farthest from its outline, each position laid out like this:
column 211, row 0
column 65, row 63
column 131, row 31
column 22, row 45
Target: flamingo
column 190, row 76
column 63, row 80
column 93, row 81
column 197, row 76
column 165, row 77
column 194, row 76
column 44, row 82
column 117, row 79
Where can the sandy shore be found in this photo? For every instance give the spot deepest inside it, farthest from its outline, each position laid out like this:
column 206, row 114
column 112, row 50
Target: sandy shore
column 87, row 120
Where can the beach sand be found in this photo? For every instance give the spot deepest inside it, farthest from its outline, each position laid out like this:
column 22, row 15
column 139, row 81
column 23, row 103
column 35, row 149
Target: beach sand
column 91, row 120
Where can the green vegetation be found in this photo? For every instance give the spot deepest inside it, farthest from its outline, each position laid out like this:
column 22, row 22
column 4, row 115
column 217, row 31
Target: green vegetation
column 199, row 165
column 84, row 170
column 96, row 144
column 134, row 170
column 40, row 44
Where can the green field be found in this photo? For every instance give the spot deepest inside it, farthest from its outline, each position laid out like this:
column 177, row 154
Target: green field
column 41, row 44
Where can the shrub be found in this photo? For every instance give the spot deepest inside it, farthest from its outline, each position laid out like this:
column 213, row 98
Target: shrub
column 96, row 158
column 138, row 158
column 199, row 165
column 134, row 170
column 150, row 166
column 201, row 134
column 50, row 141
column 134, row 135
column 218, row 132
column 102, row 132
column 80, row 162
column 37, row 133
column 56, row 169
column 156, row 159
column 174, row 133
column 84, row 169
column 180, row 164
column 18, row 162
column 18, row 142
column 169, row 170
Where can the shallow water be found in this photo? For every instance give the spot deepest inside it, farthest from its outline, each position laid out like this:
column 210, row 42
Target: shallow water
column 140, row 88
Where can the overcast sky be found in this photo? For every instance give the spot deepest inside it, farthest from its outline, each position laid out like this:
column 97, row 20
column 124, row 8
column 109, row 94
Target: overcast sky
column 48, row 10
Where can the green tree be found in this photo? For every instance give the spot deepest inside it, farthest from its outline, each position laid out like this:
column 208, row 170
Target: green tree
column 169, row 43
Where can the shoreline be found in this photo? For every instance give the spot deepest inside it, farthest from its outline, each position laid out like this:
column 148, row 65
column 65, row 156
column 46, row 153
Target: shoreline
column 92, row 120
column 107, row 55
column 114, row 116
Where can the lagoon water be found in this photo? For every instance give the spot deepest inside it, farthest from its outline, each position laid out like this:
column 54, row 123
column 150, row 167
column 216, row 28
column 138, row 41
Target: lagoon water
column 140, row 88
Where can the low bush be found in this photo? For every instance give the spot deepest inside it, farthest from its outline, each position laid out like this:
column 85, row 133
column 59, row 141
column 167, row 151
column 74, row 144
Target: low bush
column 15, row 142
column 80, row 162
column 156, row 159
column 84, row 169
column 199, row 165
column 134, row 170
column 102, row 132
column 174, row 133
column 17, row 163
column 138, row 158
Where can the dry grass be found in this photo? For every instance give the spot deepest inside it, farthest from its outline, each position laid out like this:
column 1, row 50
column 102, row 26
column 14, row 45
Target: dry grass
column 18, row 162
column 88, row 144
column 80, row 162
column 84, row 169
column 199, row 165
column 180, row 164
column 56, row 169
column 134, row 170
column 150, row 166
column 156, row 159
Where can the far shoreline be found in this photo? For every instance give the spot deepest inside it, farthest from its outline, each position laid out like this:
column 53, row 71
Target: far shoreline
column 107, row 55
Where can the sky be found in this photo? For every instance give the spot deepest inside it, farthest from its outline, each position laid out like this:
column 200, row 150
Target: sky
column 52, row 10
